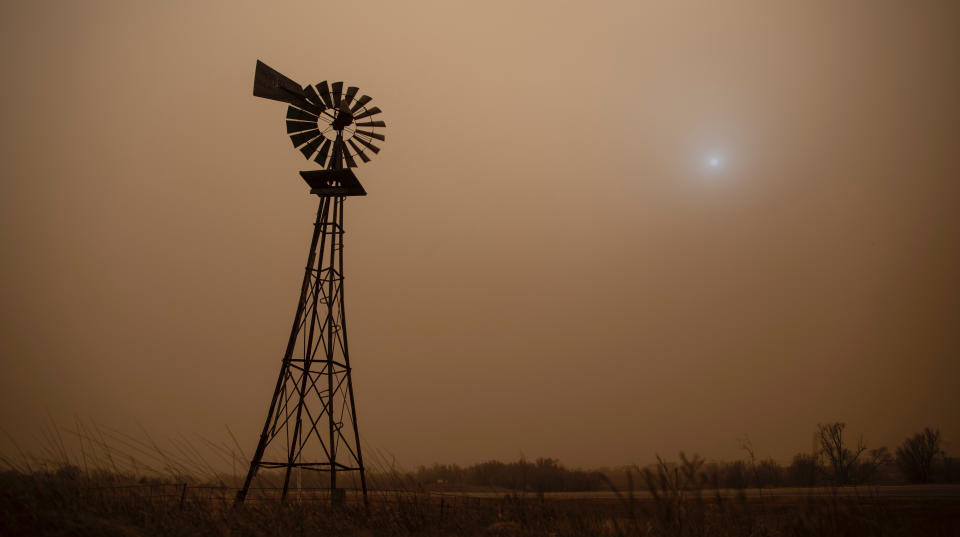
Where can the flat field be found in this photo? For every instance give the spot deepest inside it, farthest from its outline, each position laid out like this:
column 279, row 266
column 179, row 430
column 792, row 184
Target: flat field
column 54, row 504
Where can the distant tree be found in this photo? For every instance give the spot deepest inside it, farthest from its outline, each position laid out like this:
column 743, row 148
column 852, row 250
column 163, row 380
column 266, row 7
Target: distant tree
column 949, row 473
column 734, row 475
column 747, row 445
column 768, row 473
column 842, row 459
column 489, row 474
column 915, row 456
column 445, row 474
column 804, row 471
column 543, row 475
column 872, row 469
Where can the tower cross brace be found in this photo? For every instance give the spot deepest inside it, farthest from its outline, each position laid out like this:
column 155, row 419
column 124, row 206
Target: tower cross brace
column 312, row 421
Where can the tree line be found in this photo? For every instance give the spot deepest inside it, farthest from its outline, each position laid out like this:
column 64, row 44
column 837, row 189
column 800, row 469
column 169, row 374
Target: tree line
column 543, row 474
column 835, row 460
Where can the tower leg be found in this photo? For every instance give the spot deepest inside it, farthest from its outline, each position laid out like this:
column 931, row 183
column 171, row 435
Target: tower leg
column 346, row 359
column 301, row 398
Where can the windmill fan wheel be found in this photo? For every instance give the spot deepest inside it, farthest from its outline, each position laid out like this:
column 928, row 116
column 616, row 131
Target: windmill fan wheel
column 333, row 127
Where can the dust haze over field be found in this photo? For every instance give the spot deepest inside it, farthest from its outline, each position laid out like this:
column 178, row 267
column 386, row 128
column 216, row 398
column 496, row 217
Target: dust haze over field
column 548, row 263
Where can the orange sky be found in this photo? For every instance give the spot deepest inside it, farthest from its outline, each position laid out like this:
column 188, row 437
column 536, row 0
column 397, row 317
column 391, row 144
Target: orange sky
column 545, row 264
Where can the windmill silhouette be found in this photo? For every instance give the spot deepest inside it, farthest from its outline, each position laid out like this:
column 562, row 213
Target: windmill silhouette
column 312, row 419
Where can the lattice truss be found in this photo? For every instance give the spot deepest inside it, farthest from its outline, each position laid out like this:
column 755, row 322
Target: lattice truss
column 312, row 425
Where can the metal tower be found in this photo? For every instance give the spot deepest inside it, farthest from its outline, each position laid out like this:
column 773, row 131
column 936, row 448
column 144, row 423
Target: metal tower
column 312, row 420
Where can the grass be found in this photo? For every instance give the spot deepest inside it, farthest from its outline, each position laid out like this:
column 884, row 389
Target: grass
column 68, row 502
column 121, row 486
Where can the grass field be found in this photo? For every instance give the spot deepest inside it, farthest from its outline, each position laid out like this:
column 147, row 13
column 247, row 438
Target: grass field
column 123, row 486
column 67, row 502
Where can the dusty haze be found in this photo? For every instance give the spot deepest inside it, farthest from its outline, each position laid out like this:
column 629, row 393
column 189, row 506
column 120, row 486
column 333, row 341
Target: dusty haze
column 546, row 263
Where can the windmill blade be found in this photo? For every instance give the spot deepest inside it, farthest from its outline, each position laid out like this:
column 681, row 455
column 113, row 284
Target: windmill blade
column 341, row 149
column 304, row 137
column 368, row 112
column 324, row 92
column 341, row 162
column 372, row 124
column 296, row 113
column 360, row 102
column 372, row 135
column 360, row 153
column 337, row 91
column 324, row 150
column 311, row 146
column 300, row 126
column 368, row 145
column 269, row 83
column 312, row 96
column 346, row 154
column 351, row 91
column 335, row 156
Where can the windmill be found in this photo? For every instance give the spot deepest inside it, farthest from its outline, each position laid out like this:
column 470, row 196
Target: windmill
column 312, row 419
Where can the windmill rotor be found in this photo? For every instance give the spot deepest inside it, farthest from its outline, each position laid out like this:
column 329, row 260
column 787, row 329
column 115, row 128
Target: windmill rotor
column 337, row 120
column 331, row 125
